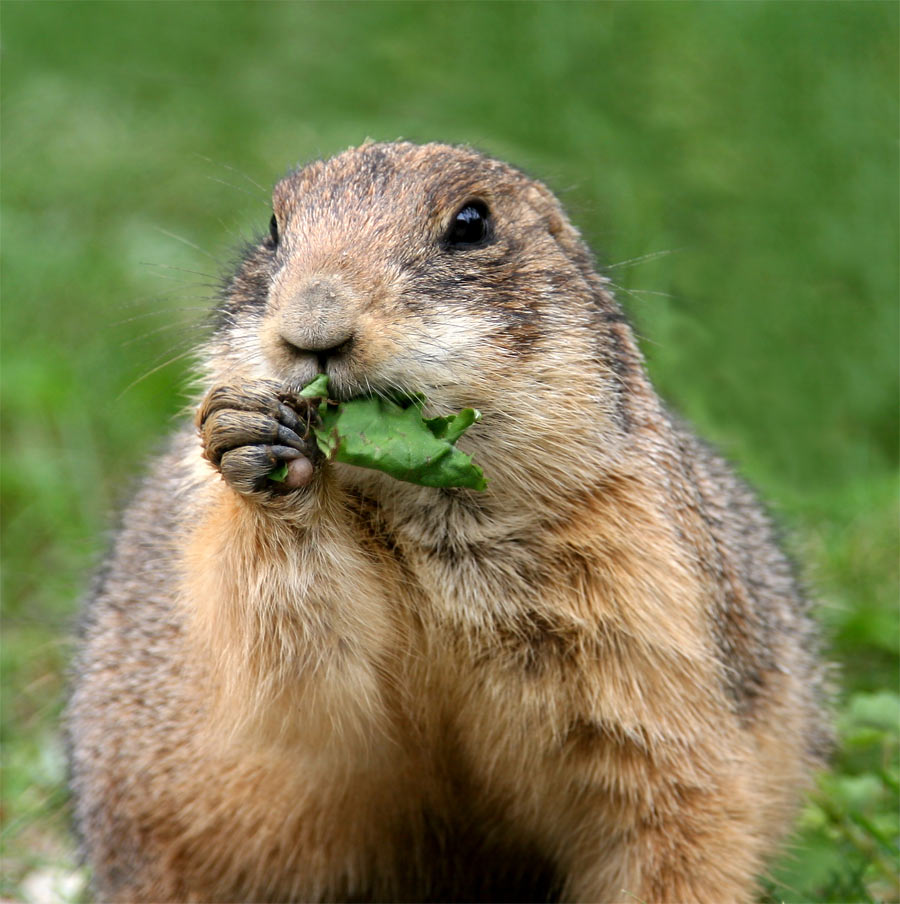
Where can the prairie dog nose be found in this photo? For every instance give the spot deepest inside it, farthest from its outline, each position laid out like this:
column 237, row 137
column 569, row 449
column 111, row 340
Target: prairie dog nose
column 322, row 292
column 318, row 317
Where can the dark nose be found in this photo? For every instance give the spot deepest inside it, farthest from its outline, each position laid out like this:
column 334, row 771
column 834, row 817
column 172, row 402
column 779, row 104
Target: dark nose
column 317, row 322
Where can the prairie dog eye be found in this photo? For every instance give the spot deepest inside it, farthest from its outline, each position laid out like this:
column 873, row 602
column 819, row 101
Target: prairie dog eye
column 273, row 230
column 470, row 225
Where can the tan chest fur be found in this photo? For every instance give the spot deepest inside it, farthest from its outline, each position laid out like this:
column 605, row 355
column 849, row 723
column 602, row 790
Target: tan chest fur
column 523, row 664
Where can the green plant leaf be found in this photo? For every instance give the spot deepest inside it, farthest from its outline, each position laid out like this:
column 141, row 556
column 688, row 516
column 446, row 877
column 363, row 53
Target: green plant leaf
column 451, row 428
column 392, row 436
column 279, row 474
column 317, row 388
column 375, row 433
column 380, row 434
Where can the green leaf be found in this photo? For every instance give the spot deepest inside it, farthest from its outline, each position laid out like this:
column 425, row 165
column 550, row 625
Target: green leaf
column 383, row 435
column 452, row 428
column 279, row 474
column 317, row 388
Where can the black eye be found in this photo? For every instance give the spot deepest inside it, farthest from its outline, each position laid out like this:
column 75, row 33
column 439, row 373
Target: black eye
column 273, row 230
column 470, row 225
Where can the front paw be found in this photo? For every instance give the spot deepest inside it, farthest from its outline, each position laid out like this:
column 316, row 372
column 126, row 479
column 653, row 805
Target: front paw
column 248, row 431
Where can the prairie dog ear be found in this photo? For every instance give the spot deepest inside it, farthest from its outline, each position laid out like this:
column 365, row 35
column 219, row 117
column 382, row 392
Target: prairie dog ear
column 539, row 197
column 558, row 225
column 547, row 204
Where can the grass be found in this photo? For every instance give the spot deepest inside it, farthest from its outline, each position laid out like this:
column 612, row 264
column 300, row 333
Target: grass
column 741, row 156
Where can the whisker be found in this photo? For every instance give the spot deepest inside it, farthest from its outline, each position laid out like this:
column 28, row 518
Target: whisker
column 235, row 170
column 167, row 293
column 179, row 270
column 154, row 370
column 160, row 312
column 653, row 292
column 636, row 293
column 653, row 255
column 160, row 329
column 184, row 241
column 235, row 187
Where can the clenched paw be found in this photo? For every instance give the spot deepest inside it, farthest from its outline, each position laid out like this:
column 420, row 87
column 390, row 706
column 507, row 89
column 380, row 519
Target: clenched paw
column 249, row 430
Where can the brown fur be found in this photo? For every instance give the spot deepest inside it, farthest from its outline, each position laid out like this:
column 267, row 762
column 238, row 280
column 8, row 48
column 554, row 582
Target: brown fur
column 595, row 681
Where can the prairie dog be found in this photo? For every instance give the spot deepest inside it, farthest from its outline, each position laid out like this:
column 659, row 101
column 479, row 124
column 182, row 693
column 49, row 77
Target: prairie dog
column 595, row 681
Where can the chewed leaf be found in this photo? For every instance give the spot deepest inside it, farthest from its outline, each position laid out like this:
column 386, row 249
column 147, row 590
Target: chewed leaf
column 317, row 389
column 394, row 438
column 452, row 428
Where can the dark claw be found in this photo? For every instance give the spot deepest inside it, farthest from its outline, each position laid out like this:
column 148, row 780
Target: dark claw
column 287, row 437
column 289, row 418
column 283, row 453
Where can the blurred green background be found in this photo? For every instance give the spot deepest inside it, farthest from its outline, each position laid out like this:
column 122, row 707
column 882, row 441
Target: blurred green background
column 734, row 165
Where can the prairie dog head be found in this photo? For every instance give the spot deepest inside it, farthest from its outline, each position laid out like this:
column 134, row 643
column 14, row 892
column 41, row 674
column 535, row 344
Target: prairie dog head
column 429, row 269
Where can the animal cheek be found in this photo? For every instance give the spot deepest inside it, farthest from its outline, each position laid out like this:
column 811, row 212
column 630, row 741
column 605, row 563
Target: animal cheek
column 379, row 340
